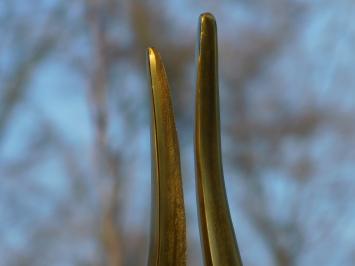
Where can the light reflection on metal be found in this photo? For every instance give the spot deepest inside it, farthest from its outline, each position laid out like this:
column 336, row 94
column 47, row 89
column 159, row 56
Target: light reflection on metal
column 168, row 225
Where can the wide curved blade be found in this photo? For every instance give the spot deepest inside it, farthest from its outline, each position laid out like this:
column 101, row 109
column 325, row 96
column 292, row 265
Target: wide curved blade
column 168, row 226
column 216, row 229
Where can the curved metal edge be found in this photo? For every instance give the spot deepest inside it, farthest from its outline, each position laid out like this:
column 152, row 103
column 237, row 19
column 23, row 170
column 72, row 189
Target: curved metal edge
column 216, row 229
column 168, row 222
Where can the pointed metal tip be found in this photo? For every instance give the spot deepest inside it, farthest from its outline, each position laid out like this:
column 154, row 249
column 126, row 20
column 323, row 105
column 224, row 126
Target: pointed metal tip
column 152, row 55
column 168, row 225
column 151, row 51
column 156, row 70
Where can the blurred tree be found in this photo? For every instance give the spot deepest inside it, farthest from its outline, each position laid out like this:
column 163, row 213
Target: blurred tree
column 74, row 127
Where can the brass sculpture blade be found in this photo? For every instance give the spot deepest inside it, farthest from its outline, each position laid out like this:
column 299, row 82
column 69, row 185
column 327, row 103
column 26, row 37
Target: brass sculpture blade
column 168, row 225
column 216, row 229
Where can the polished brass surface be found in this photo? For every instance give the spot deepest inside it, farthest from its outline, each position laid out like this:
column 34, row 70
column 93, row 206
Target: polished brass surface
column 168, row 226
column 216, row 229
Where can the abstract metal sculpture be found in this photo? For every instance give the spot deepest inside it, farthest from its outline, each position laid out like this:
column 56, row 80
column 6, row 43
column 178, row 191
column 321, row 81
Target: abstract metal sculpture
column 168, row 225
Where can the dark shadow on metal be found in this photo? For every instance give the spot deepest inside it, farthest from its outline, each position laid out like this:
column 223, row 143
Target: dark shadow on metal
column 216, row 229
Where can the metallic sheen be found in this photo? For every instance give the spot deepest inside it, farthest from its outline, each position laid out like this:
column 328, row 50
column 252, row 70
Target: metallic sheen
column 168, row 225
column 216, row 229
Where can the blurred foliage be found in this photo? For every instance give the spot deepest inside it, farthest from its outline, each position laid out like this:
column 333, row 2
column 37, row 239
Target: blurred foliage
column 74, row 127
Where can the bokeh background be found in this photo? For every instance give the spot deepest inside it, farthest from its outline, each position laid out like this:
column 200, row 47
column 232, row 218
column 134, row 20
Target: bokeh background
column 74, row 127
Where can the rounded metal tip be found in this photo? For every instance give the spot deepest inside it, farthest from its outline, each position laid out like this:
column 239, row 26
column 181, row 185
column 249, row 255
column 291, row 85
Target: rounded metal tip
column 207, row 16
column 207, row 30
column 206, row 20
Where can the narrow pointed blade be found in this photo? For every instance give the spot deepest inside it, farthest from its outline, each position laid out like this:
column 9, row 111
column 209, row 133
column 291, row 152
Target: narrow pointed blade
column 216, row 229
column 168, row 226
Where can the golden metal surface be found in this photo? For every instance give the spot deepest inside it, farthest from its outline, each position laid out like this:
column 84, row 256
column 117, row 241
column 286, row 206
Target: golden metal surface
column 168, row 226
column 216, row 229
